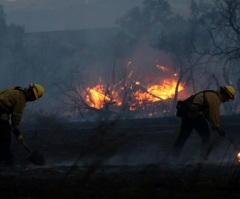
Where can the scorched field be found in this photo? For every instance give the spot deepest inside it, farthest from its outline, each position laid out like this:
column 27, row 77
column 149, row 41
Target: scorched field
column 122, row 159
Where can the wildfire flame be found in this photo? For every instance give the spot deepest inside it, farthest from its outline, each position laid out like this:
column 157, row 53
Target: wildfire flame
column 149, row 93
column 158, row 92
column 98, row 96
column 165, row 90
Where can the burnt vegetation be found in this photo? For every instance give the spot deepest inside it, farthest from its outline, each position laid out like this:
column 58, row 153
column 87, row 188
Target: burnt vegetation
column 123, row 159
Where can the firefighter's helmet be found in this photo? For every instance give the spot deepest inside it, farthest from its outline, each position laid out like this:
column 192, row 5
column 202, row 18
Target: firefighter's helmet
column 37, row 89
column 229, row 90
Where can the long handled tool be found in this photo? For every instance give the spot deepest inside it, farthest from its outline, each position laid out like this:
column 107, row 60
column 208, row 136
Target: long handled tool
column 236, row 147
column 35, row 157
column 230, row 139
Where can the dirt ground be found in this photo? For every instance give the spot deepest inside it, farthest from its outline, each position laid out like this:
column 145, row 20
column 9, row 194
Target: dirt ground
column 121, row 159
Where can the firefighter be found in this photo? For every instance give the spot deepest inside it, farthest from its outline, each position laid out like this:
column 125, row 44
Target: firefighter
column 12, row 104
column 203, row 116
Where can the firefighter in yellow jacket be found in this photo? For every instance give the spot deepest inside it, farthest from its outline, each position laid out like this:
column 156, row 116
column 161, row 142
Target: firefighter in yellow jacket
column 12, row 104
column 203, row 116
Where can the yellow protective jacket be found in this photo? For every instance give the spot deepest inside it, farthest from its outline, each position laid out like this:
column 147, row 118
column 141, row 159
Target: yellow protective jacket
column 212, row 101
column 13, row 102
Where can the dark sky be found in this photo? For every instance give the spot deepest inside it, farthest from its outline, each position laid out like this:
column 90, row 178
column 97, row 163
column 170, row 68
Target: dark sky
column 48, row 15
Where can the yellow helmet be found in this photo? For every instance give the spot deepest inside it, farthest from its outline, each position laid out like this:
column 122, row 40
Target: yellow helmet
column 37, row 89
column 230, row 91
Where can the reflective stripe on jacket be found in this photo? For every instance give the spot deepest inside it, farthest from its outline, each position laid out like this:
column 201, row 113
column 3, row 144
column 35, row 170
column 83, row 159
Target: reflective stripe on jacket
column 13, row 101
column 213, row 102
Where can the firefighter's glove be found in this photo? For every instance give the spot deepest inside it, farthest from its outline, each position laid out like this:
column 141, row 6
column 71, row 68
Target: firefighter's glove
column 20, row 138
column 221, row 132
column 18, row 135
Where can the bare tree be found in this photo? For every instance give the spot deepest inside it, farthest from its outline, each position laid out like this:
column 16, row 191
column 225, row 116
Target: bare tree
column 220, row 22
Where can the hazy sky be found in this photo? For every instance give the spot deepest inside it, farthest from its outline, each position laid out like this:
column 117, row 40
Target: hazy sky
column 47, row 15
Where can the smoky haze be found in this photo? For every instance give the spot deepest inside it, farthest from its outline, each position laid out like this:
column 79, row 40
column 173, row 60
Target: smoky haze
column 71, row 46
column 80, row 41
column 52, row 15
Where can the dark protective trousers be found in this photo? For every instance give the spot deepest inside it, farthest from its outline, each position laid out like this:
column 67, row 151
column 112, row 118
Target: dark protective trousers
column 201, row 125
column 6, row 156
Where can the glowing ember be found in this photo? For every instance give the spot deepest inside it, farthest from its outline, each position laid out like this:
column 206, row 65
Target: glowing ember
column 129, row 63
column 238, row 157
column 162, row 68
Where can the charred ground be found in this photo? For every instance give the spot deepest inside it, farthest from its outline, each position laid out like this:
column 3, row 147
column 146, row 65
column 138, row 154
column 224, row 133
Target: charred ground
column 122, row 159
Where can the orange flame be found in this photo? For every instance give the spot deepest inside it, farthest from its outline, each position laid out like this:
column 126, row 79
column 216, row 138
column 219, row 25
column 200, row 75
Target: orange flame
column 165, row 90
column 155, row 93
column 98, row 97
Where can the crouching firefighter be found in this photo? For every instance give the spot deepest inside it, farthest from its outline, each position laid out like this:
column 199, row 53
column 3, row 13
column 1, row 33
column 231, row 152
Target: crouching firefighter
column 12, row 104
column 202, row 113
